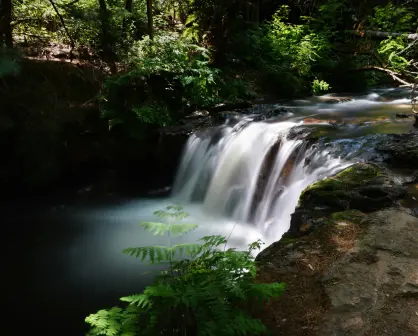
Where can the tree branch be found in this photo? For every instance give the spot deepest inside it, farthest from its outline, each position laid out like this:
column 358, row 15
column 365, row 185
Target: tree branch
column 393, row 74
column 65, row 27
column 69, row 4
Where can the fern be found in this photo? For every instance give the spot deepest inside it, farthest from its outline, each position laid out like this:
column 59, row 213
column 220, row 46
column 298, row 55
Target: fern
column 162, row 228
column 203, row 292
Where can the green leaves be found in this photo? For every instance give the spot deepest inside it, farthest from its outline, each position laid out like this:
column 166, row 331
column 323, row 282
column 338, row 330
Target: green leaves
column 162, row 228
column 158, row 254
column 140, row 300
column 205, row 294
column 392, row 49
column 319, row 86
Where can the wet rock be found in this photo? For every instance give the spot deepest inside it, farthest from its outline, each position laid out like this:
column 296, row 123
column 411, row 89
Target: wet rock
column 364, row 187
column 402, row 149
column 225, row 115
column 282, row 110
column 198, row 114
column 335, row 100
column 301, row 133
column 187, row 126
column 356, row 275
column 404, row 115
column 231, row 106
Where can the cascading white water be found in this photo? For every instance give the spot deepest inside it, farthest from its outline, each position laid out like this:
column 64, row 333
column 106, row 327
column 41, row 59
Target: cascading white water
column 251, row 172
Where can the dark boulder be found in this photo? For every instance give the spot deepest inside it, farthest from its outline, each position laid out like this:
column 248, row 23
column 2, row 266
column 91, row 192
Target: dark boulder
column 402, row 149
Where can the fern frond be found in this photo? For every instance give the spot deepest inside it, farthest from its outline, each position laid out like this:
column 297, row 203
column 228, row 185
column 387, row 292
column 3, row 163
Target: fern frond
column 214, row 241
column 162, row 228
column 159, row 290
column 156, row 228
column 267, row 291
column 180, row 229
column 154, row 254
column 106, row 322
column 140, row 300
column 191, row 250
column 245, row 324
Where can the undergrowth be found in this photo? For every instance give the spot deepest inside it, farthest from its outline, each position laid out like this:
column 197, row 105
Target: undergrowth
column 206, row 288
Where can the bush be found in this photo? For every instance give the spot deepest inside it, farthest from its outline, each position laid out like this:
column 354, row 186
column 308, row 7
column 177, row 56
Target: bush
column 292, row 52
column 210, row 293
column 166, row 77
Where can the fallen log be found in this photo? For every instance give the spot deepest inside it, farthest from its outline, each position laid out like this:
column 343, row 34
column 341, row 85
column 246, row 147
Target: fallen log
column 380, row 34
column 395, row 76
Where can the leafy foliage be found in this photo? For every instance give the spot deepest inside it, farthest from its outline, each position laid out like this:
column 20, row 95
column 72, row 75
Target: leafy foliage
column 36, row 20
column 211, row 292
column 391, row 49
column 392, row 18
column 292, row 52
column 167, row 77
column 319, row 86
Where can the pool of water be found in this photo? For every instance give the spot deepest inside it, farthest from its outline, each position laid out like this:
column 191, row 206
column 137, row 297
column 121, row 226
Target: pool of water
column 63, row 261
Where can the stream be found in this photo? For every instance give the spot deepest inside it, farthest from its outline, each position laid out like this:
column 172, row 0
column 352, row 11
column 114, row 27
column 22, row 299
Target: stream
column 62, row 255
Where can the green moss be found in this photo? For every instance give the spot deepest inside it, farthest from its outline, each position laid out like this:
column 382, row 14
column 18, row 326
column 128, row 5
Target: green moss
column 351, row 216
column 359, row 174
column 287, row 241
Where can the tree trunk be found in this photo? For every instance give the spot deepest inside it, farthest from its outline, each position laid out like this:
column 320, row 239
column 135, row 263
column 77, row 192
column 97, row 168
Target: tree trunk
column 126, row 21
column 65, row 27
column 150, row 19
column 6, row 36
column 106, row 41
column 257, row 12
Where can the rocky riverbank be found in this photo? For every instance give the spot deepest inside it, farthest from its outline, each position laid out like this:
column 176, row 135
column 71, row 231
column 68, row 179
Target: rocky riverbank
column 349, row 258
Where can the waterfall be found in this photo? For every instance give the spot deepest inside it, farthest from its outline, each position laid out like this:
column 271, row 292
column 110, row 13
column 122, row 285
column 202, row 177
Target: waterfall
column 251, row 172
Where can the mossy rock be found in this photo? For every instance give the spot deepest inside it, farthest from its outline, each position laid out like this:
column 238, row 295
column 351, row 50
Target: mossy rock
column 338, row 191
column 349, row 216
column 361, row 188
column 355, row 175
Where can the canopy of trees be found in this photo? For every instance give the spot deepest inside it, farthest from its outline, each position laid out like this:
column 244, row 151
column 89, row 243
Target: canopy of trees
column 161, row 59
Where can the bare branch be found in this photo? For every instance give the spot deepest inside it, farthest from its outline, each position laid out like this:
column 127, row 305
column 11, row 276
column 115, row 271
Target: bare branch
column 69, row 4
column 410, row 45
column 395, row 76
column 65, row 27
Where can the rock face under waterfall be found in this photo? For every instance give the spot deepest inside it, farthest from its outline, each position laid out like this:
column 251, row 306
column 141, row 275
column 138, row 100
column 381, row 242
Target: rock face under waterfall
column 356, row 273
